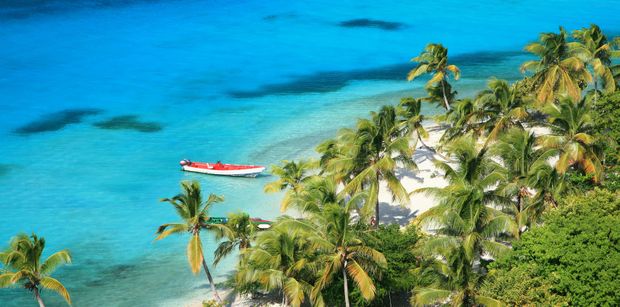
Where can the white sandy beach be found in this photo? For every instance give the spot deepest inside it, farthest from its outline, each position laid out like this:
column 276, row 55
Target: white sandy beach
column 425, row 176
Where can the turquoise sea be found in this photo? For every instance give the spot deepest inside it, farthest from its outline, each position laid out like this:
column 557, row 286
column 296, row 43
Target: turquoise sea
column 100, row 99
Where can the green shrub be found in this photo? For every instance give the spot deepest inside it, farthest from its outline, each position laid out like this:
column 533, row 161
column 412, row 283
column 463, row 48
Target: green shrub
column 573, row 259
column 392, row 284
column 606, row 116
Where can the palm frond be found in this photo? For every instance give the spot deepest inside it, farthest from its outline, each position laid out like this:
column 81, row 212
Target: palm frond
column 54, row 285
column 172, row 228
column 361, row 278
column 55, row 260
column 194, row 254
column 428, row 296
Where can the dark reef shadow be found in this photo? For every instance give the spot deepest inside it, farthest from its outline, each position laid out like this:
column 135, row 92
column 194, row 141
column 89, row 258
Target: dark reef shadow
column 56, row 121
column 22, row 9
column 115, row 272
column 128, row 122
column 274, row 17
column 332, row 81
column 5, row 169
column 372, row 23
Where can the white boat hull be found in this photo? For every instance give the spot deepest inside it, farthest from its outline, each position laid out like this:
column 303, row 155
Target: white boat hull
column 248, row 172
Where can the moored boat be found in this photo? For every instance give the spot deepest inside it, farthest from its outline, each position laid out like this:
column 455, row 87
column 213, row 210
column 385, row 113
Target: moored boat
column 222, row 169
column 260, row 223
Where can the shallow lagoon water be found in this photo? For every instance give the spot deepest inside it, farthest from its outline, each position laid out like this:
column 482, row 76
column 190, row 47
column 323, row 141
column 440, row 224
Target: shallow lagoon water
column 246, row 82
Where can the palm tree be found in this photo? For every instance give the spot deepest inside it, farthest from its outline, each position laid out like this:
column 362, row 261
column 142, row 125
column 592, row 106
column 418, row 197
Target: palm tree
column 464, row 224
column 518, row 152
column 557, row 71
column 434, row 60
column 615, row 69
column 494, row 110
column 378, row 146
column 194, row 213
column 240, row 233
column 409, row 110
column 452, row 279
column 22, row 261
column 411, row 120
column 549, row 185
column 343, row 253
column 462, row 212
column 593, row 48
column 503, row 108
column 460, row 117
column 318, row 191
column 292, row 176
column 278, row 261
column 570, row 123
column 338, row 154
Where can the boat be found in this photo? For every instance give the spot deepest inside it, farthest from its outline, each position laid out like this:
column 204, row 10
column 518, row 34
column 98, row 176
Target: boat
column 260, row 223
column 222, row 169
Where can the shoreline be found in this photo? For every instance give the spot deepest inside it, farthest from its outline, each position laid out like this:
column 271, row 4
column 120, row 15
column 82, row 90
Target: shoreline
column 425, row 176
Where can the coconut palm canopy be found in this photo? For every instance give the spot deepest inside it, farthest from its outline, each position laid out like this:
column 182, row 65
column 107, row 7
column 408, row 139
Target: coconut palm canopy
column 434, row 60
column 23, row 262
column 557, row 71
column 194, row 213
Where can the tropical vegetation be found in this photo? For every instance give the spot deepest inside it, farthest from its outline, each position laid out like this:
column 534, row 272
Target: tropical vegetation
column 512, row 155
column 572, row 260
column 434, row 60
column 22, row 262
column 529, row 215
column 194, row 213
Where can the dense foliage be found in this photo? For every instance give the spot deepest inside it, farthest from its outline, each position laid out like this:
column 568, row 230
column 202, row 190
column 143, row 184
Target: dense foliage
column 573, row 259
column 606, row 114
column 396, row 281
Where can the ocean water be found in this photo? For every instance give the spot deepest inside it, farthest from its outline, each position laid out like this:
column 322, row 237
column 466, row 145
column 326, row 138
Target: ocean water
column 99, row 100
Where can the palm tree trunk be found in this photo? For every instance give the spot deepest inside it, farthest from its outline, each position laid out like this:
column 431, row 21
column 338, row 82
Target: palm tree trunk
column 377, row 204
column 595, row 89
column 284, row 300
column 424, row 144
column 377, row 213
column 208, row 273
column 37, row 295
column 518, row 215
column 346, row 285
column 445, row 97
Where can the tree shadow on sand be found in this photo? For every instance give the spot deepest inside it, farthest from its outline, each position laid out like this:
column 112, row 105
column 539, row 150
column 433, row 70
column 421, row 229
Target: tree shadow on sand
column 421, row 155
column 394, row 214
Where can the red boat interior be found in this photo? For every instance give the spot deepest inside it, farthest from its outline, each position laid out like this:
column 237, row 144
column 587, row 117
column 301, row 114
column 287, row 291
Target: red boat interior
column 221, row 166
column 259, row 220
